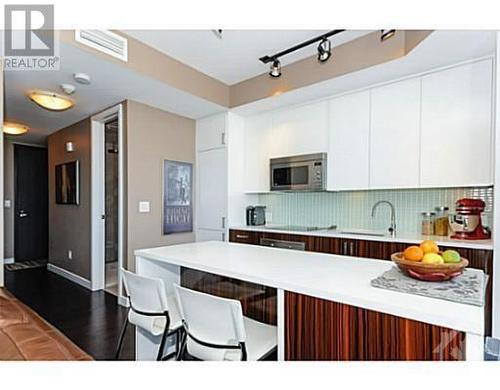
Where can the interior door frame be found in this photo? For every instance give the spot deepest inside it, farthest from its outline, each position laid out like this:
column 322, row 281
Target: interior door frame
column 98, row 203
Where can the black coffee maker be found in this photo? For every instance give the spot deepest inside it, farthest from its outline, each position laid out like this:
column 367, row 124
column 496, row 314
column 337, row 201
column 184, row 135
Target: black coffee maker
column 256, row 215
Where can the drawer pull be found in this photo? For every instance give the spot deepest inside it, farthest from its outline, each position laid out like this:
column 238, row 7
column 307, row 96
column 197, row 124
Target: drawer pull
column 242, row 236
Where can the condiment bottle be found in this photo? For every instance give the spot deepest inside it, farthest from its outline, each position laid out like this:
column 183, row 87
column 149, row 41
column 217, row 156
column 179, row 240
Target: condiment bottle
column 428, row 223
column 441, row 222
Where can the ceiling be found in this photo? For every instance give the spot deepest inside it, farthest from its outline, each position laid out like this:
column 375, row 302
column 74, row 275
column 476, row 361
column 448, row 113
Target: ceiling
column 235, row 57
column 111, row 84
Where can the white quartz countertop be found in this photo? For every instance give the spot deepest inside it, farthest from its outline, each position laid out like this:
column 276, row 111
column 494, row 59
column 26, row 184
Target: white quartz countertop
column 341, row 279
column 404, row 238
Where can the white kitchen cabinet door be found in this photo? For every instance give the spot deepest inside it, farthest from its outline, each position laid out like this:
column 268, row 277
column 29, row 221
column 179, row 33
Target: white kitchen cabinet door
column 395, row 135
column 210, row 235
column 300, row 130
column 211, row 132
column 349, row 142
column 258, row 141
column 212, row 189
column 456, row 126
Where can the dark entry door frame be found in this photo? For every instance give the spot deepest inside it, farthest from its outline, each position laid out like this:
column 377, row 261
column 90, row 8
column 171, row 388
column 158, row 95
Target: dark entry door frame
column 30, row 203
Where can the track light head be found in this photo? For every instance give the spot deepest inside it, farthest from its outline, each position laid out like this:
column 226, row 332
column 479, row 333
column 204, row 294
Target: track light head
column 324, row 50
column 386, row 34
column 275, row 70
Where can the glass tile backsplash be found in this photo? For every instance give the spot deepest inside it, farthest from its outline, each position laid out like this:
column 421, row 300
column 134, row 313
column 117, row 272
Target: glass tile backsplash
column 352, row 209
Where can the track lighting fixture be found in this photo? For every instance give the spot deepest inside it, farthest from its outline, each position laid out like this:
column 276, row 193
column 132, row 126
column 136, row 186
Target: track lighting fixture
column 275, row 70
column 324, row 50
column 386, row 34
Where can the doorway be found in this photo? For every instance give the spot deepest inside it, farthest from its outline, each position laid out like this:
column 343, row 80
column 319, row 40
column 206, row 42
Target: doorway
column 111, row 160
column 30, row 203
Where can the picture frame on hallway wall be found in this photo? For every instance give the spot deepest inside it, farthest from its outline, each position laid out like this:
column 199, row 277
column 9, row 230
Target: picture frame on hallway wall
column 177, row 197
column 68, row 183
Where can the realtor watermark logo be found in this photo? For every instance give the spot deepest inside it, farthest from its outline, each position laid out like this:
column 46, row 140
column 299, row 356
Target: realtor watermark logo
column 29, row 37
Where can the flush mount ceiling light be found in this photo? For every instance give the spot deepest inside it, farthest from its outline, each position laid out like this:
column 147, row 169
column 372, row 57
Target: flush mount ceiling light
column 324, row 50
column 323, row 56
column 275, row 70
column 14, row 128
column 50, row 100
column 386, row 34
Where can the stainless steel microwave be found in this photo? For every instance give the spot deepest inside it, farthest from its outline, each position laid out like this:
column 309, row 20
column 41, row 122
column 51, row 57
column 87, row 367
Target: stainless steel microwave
column 299, row 173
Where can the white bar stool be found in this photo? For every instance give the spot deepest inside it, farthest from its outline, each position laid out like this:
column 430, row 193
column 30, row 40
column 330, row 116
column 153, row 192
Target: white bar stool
column 215, row 329
column 151, row 310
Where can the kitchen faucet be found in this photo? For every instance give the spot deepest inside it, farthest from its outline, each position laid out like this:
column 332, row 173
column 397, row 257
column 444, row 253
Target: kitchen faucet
column 392, row 228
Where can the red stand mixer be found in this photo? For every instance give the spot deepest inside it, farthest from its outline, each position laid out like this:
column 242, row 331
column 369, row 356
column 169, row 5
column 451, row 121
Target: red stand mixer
column 466, row 223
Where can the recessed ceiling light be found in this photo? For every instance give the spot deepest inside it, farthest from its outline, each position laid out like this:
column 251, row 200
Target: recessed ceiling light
column 386, row 34
column 14, row 128
column 51, row 100
column 275, row 70
column 82, row 78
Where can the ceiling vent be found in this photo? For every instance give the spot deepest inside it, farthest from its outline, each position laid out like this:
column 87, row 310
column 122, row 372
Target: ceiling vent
column 104, row 41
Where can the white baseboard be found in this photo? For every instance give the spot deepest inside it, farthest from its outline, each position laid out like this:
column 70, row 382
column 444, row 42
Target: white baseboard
column 69, row 275
column 9, row 260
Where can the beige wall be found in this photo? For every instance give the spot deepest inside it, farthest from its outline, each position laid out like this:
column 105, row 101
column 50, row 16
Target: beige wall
column 153, row 136
column 69, row 225
column 1, row 173
column 8, row 182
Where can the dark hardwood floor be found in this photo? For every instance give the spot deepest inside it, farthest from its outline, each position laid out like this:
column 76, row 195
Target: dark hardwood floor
column 92, row 320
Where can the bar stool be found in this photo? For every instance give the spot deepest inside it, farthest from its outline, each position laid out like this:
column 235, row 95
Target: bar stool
column 215, row 329
column 151, row 310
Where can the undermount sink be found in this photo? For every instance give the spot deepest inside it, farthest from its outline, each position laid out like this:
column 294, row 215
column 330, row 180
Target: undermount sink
column 363, row 233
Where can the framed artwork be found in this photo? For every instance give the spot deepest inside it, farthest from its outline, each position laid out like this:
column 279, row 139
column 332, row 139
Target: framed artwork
column 177, row 197
column 67, row 183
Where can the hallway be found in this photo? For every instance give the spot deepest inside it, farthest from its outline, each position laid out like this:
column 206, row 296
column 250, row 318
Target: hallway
column 92, row 320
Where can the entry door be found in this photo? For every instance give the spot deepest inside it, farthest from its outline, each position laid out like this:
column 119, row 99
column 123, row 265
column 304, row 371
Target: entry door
column 31, row 203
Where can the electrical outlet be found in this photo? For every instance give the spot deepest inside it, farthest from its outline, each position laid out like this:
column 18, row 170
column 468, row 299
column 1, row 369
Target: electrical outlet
column 70, row 255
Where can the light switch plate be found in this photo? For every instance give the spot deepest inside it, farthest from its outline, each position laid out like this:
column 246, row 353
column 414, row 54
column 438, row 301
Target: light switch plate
column 7, row 203
column 144, row 207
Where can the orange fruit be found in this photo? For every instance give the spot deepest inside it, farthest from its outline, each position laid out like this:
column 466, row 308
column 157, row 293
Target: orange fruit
column 413, row 253
column 429, row 246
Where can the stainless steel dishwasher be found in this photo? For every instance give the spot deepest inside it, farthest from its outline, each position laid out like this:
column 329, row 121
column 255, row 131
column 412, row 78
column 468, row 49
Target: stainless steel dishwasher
column 296, row 245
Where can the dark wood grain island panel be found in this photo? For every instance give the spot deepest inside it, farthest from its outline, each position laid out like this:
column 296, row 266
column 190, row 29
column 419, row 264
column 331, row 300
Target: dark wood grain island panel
column 317, row 329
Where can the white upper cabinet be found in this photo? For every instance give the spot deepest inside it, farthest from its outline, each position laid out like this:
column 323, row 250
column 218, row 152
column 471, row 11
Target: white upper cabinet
column 300, row 130
column 456, row 131
column 211, row 132
column 395, row 135
column 348, row 154
column 258, row 140
column 212, row 189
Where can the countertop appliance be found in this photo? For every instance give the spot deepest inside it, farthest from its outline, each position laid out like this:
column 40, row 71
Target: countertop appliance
column 466, row 222
column 299, row 173
column 256, row 215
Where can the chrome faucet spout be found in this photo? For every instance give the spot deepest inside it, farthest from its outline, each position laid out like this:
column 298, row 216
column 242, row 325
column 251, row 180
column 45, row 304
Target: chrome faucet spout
column 392, row 228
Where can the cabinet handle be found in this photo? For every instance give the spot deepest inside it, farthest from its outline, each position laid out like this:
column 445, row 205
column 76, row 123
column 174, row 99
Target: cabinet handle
column 223, row 222
column 344, row 248
column 223, row 236
column 351, row 251
column 242, row 236
column 223, row 138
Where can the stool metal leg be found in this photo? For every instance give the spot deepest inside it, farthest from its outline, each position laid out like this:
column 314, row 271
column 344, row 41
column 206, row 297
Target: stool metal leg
column 122, row 336
column 163, row 340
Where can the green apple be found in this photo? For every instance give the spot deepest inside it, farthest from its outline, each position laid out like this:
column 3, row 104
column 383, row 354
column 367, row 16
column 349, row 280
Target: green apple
column 451, row 256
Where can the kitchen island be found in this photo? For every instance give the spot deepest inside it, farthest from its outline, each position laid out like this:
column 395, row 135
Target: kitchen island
column 326, row 307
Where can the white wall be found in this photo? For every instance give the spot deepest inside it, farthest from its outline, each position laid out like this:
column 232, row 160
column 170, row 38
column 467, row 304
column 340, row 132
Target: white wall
column 1, row 176
column 496, row 207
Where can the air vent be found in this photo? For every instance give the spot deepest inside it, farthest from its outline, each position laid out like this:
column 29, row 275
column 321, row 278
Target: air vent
column 104, row 41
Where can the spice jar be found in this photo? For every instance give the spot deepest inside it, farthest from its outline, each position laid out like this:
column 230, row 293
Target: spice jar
column 428, row 223
column 441, row 221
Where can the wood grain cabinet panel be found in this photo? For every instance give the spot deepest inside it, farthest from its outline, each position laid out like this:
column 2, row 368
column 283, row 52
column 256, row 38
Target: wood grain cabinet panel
column 317, row 329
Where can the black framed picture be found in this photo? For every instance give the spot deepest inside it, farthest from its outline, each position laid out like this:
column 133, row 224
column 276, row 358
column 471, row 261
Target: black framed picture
column 177, row 193
column 67, row 183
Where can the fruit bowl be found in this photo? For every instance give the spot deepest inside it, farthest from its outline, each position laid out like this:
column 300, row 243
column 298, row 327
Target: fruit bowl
column 429, row 272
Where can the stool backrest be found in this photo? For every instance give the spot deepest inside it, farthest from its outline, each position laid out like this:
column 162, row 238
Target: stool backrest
column 145, row 294
column 212, row 320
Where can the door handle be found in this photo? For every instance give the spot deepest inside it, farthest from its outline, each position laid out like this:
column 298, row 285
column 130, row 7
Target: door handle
column 22, row 214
